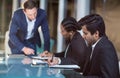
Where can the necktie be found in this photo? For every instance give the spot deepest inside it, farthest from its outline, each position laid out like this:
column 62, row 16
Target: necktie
column 91, row 53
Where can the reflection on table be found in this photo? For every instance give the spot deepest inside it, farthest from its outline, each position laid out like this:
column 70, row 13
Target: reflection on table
column 16, row 66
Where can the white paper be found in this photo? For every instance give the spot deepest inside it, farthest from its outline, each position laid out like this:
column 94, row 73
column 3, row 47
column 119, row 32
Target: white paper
column 37, row 61
column 39, row 57
column 1, row 58
column 66, row 66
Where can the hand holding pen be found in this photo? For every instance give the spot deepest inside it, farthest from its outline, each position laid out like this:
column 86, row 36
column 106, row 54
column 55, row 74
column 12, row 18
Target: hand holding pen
column 53, row 60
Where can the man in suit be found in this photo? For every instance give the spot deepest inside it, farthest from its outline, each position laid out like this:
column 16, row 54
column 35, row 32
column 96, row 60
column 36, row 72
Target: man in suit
column 75, row 52
column 103, row 60
column 24, row 35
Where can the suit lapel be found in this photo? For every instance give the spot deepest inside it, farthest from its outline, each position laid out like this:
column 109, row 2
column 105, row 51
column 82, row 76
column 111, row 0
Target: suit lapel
column 86, row 68
column 24, row 23
column 37, row 22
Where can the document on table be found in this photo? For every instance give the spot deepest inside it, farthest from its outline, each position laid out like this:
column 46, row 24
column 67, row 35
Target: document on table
column 39, row 57
column 66, row 66
column 1, row 58
column 37, row 61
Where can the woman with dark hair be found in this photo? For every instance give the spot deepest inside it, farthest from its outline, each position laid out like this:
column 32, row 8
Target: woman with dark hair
column 76, row 46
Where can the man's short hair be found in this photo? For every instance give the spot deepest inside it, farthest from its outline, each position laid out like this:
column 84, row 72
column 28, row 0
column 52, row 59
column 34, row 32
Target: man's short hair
column 29, row 4
column 93, row 22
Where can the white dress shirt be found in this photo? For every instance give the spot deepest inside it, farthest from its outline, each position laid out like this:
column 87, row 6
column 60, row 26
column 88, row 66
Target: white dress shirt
column 30, row 27
column 93, row 46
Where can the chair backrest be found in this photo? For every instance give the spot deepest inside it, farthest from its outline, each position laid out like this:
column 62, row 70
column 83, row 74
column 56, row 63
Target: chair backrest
column 41, row 49
column 7, row 48
column 52, row 42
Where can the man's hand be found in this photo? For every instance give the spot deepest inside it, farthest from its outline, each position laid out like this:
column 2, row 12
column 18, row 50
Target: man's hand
column 28, row 51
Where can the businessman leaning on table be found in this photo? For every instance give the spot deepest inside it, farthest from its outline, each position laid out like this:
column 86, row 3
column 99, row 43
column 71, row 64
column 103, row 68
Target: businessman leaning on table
column 103, row 61
column 24, row 33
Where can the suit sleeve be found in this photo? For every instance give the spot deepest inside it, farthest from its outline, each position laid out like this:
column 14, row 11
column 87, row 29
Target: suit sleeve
column 13, row 32
column 45, row 30
column 61, row 54
column 109, row 63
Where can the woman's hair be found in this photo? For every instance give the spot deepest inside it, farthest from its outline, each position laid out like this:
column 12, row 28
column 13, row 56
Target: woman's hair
column 29, row 4
column 70, row 24
column 93, row 23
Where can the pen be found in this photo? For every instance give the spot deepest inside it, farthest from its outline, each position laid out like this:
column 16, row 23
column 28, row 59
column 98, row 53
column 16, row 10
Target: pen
column 52, row 58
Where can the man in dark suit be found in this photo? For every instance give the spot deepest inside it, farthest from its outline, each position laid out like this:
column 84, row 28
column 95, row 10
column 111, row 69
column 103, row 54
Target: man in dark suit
column 24, row 35
column 103, row 60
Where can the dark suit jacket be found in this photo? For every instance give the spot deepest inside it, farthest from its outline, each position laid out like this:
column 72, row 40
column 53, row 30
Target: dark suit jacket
column 18, row 30
column 104, row 61
column 76, row 53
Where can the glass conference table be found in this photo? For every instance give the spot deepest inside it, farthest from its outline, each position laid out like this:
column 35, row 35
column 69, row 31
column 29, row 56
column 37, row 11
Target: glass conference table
column 19, row 66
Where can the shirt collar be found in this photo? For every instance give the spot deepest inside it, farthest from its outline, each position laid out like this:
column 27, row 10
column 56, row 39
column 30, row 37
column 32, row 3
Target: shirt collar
column 96, row 42
column 29, row 20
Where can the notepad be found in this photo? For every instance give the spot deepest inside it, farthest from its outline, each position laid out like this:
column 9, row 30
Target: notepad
column 66, row 66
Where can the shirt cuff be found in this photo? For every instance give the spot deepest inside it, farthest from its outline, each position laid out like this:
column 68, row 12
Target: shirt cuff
column 59, row 61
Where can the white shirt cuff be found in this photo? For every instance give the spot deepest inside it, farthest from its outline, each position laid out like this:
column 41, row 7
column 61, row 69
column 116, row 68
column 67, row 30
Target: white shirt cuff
column 59, row 61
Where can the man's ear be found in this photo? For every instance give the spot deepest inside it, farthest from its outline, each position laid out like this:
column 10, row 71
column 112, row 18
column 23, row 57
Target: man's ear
column 71, row 32
column 97, row 33
column 24, row 10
